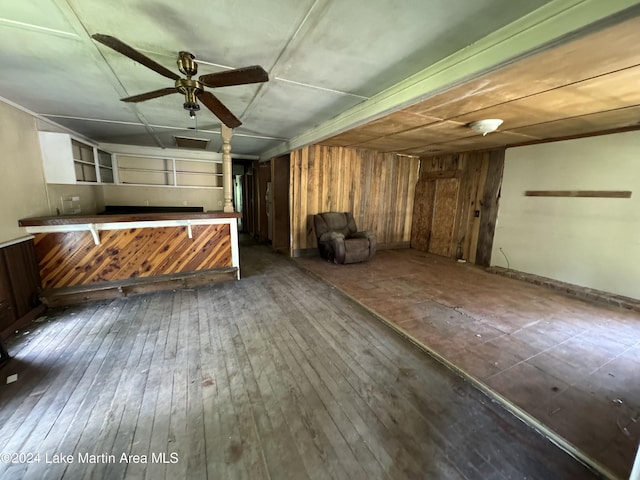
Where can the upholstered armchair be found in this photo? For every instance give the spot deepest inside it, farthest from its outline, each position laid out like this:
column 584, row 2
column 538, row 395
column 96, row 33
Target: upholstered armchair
column 339, row 240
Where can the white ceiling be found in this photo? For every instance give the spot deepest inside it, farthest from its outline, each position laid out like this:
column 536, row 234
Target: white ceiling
column 324, row 57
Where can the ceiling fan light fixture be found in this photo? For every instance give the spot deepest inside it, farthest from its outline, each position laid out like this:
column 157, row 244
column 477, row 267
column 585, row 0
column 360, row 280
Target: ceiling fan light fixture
column 190, row 88
column 485, row 126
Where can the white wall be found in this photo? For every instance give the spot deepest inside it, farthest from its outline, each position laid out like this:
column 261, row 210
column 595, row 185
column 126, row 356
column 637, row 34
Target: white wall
column 591, row 242
column 22, row 192
column 90, row 198
column 209, row 198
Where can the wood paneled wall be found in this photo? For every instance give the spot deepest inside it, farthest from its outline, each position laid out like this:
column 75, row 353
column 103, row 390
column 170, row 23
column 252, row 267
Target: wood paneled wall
column 378, row 188
column 456, row 205
column 72, row 258
column 262, row 174
column 280, row 215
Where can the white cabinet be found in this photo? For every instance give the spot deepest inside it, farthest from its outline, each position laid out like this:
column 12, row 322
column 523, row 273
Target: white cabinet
column 69, row 161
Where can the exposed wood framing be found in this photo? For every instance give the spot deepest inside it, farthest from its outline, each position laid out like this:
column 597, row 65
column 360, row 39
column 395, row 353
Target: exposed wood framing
column 489, row 210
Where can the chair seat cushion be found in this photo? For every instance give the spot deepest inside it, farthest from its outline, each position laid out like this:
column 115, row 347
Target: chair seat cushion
column 357, row 250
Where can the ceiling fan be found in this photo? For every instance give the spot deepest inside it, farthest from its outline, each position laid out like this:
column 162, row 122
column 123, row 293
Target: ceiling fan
column 193, row 90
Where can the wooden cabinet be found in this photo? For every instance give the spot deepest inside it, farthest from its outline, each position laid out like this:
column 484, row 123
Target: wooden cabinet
column 19, row 286
column 69, row 161
column 7, row 305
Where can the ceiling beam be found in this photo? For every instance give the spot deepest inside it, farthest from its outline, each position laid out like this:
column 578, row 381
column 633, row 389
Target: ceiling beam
column 549, row 25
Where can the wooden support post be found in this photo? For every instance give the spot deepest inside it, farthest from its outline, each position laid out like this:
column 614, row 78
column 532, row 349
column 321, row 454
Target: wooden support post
column 227, row 180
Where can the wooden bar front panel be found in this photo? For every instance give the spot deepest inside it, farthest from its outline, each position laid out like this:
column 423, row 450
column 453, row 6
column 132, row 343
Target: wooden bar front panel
column 72, row 258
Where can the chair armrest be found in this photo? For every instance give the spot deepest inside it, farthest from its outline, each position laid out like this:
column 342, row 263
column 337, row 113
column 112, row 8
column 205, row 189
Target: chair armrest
column 331, row 246
column 369, row 235
column 332, row 237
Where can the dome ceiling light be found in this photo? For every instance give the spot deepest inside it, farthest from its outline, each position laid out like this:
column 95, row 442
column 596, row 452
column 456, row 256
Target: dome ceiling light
column 486, row 126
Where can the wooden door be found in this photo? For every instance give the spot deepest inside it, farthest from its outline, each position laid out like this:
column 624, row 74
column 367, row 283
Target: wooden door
column 434, row 215
column 444, row 216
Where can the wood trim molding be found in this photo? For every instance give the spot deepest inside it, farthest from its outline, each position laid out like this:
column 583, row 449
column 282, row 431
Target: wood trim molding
column 579, row 193
column 550, row 24
column 16, row 241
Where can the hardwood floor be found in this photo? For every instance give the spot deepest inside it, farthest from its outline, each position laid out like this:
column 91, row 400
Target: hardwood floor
column 570, row 365
column 275, row 376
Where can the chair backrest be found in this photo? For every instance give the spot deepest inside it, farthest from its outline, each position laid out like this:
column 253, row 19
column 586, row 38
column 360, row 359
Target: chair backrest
column 341, row 222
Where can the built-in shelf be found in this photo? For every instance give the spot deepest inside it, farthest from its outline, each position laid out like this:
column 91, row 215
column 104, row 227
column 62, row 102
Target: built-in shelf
column 168, row 172
column 67, row 160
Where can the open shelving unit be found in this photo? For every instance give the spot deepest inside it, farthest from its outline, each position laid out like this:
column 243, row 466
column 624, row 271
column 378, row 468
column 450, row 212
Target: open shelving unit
column 67, row 160
column 168, row 172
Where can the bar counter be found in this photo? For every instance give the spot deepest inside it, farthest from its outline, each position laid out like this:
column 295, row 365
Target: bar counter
column 102, row 252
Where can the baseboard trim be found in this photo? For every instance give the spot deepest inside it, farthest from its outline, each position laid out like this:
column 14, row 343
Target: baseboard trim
column 136, row 286
column 313, row 252
column 583, row 293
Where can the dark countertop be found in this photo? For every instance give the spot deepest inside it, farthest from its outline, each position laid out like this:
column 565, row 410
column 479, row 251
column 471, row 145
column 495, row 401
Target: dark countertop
column 135, row 217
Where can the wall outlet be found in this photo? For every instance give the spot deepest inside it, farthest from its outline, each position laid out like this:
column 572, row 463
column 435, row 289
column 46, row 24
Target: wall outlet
column 219, row 203
column 146, row 203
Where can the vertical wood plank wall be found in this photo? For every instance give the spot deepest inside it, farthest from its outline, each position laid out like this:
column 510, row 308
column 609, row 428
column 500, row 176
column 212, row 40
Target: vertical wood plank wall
column 450, row 190
column 378, row 188
column 280, row 216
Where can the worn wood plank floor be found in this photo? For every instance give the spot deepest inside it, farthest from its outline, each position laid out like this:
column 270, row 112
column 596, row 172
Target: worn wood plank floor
column 276, row 376
column 571, row 365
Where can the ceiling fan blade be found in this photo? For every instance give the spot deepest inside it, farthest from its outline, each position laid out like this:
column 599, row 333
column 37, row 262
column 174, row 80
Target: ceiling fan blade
column 219, row 110
column 149, row 95
column 126, row 50
column 239, row 76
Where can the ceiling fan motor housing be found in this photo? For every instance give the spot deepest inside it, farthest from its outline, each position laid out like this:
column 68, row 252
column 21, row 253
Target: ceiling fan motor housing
column 190, row 89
